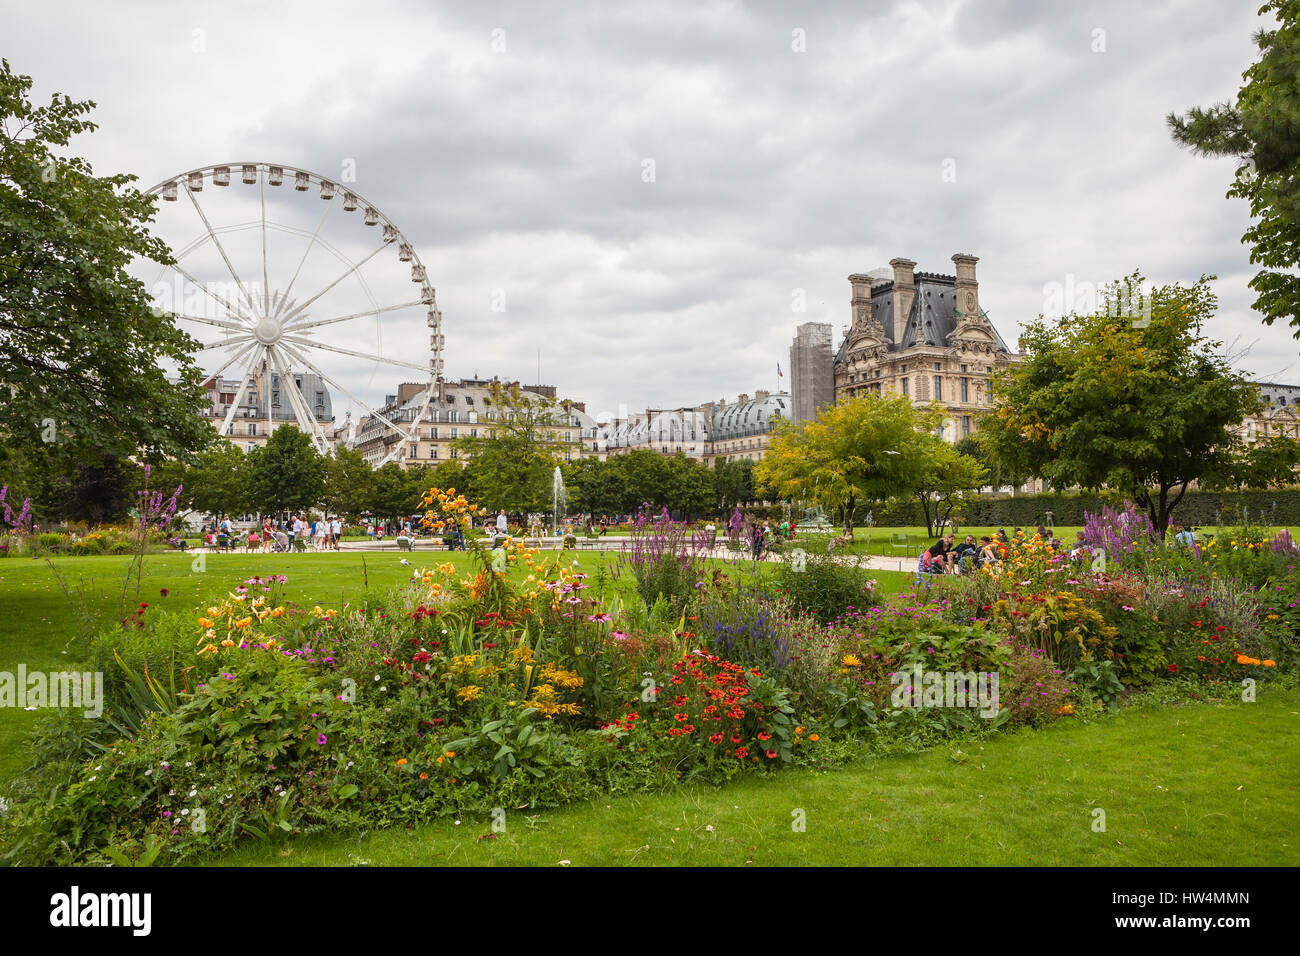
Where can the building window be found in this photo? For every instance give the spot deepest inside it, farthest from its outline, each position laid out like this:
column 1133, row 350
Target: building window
column 453, row 433
column 905, row 384
column 454, row 415
column 937, row 367
column 454, row 453
column 433, row 433
column 568, row 436
column 433, row 451
column 965, row 425
column 938, row 388
column 965, row 390
column 473, row 433
column 415, row 452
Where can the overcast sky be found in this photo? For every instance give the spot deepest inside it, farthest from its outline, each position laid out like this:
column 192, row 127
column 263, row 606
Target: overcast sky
column 645, row 187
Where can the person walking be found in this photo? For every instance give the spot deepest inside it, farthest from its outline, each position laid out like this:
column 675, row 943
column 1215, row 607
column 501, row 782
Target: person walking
column 502, row 524
column 336, row 531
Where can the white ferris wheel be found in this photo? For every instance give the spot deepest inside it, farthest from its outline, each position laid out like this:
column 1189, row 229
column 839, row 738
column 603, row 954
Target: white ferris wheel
column 278, row 301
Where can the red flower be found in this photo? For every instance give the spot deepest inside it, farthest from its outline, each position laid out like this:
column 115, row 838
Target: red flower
column 735, row 739
column 1173, row 668
column 680, row 717
column 771, row 755
column 1196, row 624
column 764, row 736
column 688, row 729
column 715, row 738
column 741, row 753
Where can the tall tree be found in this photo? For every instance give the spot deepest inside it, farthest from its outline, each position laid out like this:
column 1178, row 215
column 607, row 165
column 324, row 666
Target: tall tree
column 287, row 473
column 218, row 481
column 348, row 479
column 1141, row 407
column 872, row 448
column 80, row 345
column 1262, row 130
column 511, row 463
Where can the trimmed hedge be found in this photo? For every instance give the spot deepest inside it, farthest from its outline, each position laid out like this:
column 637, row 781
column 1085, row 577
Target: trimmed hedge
column 1278, row 506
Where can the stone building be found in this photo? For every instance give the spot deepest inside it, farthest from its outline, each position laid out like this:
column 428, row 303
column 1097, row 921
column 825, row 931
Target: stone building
column 462, row 410
column 262, row 407
column 923, row 335
column 714, row 431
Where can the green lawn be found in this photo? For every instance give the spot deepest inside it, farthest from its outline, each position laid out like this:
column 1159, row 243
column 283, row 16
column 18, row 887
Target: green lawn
column 1180, row 785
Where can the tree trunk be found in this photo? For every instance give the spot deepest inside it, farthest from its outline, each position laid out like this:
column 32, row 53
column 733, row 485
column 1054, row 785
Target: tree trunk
column 848, row 514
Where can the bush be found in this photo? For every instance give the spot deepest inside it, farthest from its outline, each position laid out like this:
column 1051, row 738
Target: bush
column 820, row 585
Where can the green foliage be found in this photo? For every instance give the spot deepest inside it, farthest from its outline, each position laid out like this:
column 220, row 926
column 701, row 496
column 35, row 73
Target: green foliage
column 287, row 473
column 348, row 483
column 817, row 582
column 622, row 484
column 870, row 448
column 1099, row 679
column 82, row 345
column 1140, row 405
column 511, row 463
column 1262, row 130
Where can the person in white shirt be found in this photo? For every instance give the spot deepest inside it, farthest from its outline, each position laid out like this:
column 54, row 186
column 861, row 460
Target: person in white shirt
column 336, row 531
column 501, row 523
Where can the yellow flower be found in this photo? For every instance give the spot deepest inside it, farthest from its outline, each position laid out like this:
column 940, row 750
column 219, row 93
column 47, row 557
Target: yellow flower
column 451, row 753
column 469, row 693
column 851, row 661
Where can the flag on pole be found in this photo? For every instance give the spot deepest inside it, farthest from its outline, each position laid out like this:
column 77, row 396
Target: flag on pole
column 778, row 370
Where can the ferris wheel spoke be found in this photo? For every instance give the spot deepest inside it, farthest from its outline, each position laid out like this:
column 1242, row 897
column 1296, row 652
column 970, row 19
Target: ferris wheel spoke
column 312, row 343
column 231, row 307
column 294, row 353
column 289, row 388
column 266, row 282
column 226, row 343
column 239, row 284
column 217, row 323
column 216, row 376
column 239, row 395
column 349, row 272
column 298, row 326
column 284, row 298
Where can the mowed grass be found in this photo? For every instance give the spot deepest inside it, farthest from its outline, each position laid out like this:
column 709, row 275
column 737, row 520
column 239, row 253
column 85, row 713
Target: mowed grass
column 1179, row 785
column 40, row 623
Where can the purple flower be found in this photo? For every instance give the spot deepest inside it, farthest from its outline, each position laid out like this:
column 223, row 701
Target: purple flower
column 320, row 739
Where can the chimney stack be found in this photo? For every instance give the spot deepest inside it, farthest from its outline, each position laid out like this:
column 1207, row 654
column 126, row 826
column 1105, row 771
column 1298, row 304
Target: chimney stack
column 759, row 395
column 968, row 287
column 863, row 310
column 904, row 292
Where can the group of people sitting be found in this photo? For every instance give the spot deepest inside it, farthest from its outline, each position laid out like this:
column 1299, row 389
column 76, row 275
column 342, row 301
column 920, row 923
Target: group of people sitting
column 947, row 557
column 319, row 534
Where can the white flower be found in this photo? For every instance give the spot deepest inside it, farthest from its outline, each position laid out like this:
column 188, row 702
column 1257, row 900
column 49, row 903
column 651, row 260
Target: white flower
column 185, row 812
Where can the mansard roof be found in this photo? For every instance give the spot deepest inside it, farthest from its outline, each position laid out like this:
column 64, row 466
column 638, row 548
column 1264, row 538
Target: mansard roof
column 931, row 319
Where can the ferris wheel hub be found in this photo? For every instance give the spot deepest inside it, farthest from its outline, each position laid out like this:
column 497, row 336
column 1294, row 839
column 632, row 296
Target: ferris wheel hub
column 268, row 331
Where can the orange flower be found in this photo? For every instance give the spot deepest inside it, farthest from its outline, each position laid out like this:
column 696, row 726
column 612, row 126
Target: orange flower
column 402, row 762
column 814, row 737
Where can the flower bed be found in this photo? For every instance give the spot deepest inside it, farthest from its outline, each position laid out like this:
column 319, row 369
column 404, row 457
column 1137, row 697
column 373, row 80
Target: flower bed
column 523, row 682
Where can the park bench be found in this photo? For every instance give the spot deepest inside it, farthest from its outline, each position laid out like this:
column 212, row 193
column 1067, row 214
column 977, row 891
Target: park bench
column 900, row 541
